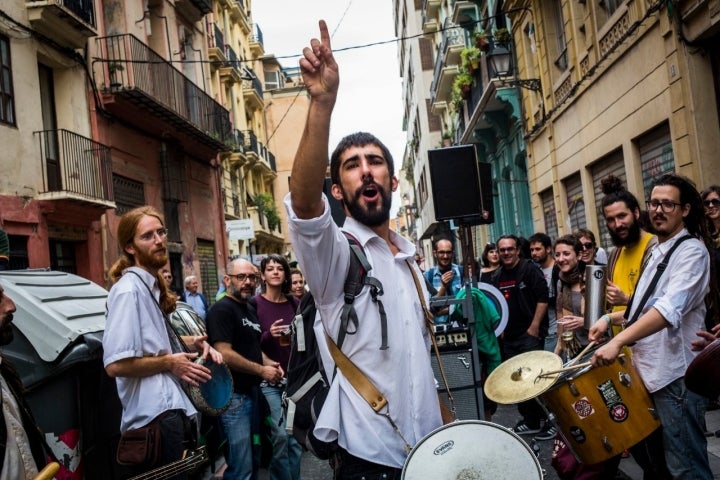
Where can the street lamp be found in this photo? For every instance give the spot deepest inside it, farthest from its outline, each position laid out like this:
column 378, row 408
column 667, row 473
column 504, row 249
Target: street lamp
column 501, row 60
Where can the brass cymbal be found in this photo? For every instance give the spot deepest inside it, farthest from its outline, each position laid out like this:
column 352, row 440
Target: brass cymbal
column 518, row 379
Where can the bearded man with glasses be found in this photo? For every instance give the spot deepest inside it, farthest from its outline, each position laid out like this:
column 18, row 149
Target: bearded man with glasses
column 233, row 329
column 662, row 329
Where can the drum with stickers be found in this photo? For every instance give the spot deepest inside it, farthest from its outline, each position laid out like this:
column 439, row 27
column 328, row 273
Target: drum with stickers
column 602, row 411
column 472, row 450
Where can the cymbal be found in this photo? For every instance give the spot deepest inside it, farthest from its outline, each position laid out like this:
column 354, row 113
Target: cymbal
column 518, row 379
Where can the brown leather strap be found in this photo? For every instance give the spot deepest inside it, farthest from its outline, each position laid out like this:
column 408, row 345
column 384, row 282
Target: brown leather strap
column 429, row 324
column 357, row 379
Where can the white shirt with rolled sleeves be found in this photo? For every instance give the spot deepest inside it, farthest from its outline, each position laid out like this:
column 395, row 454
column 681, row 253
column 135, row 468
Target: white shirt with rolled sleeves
column 402, row 372
column 663, row 357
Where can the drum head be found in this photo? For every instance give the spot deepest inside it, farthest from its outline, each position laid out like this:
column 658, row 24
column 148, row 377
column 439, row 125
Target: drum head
column 497, row 299
column 217, row 392
column 472, row 450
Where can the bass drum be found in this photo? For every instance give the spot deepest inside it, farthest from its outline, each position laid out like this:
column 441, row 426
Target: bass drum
column 212, row 397
column 472, row 450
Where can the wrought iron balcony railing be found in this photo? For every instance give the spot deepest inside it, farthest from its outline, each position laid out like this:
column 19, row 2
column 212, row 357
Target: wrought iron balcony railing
column 252, row 144
column 130, row 68
column 75, row 165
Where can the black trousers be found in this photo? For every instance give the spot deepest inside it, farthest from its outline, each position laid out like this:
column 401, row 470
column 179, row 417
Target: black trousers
column 349, row 467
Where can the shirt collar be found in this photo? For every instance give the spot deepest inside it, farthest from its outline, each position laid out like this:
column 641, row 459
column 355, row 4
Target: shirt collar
column 363, row 233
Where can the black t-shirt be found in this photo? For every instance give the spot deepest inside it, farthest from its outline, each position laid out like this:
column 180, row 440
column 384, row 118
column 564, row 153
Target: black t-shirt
column 523, row 288
column 236, row 323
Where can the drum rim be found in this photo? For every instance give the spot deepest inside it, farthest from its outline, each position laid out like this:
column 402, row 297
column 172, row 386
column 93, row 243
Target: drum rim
column 456, row 423
column 195, row 394
column 491, row 290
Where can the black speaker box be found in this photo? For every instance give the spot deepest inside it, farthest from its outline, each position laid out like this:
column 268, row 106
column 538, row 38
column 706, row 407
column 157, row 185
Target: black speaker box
column 461, row 186
column 458, row 366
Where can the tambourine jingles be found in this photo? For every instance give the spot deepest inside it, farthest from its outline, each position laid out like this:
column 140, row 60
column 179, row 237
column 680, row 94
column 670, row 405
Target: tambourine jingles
column 703, row 373
column 212, row 397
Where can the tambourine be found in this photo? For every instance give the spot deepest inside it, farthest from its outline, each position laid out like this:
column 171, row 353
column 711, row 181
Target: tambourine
column 212, row 397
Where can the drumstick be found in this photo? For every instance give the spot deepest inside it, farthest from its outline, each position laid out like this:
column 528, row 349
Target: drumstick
column 569, row 368
column 579, row 356
column 48, row 472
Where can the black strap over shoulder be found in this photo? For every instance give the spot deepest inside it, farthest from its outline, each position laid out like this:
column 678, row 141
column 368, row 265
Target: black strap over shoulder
column 651, row 288
column 357, row 279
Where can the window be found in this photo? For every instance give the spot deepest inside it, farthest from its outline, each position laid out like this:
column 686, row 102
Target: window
column 128, row 194
column 7, row 100
column 576, row 203
column 610, row 5
column 561, row 60
column 549, row 213
column 273, row 79
column 656, row 155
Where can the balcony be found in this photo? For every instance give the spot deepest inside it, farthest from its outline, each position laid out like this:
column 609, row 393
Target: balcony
column 194, row 10
column 430, row 25
column 230, row 71
column 258, row 154
column 75, row 168
column 443, row 79
column 252, row 89
column 140, row 86
column 453, row 43
column 216, row 48
column 239, row 15
column 263, row 233
column 68, row 22
column 464, row 12
column 431, row 7
column 236, row 143
column 257, row 47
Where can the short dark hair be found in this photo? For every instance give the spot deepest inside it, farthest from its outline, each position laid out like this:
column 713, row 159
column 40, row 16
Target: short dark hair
column 510, row 237
column 357, row 139
column 279, row 259
column 570, row 240
column 541, row 238
column 584, row 232
column 695, row 222
column 484, row 257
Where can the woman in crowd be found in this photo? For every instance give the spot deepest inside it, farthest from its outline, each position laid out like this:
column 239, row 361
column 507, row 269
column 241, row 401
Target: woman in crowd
column 490, row 262
column 711, row 201
column 297, row 283
column 589, row 249
column 275, row 311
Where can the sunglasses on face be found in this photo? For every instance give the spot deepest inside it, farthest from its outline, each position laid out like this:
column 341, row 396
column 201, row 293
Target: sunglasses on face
column 713, row 203
column 588, row 245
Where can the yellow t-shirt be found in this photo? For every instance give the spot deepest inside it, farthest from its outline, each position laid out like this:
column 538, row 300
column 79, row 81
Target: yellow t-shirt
column 627, row 268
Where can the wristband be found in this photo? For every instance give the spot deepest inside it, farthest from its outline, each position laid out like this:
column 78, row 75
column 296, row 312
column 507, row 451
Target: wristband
column 607, row 318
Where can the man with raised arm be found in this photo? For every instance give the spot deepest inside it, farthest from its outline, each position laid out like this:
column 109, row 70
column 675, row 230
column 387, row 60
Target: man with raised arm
column 370, row 445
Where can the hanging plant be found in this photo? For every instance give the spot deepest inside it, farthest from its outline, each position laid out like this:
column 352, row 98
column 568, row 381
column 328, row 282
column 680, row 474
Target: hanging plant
column 265, row 203
column 482, row 41
column 502, row 35
column 470, row 59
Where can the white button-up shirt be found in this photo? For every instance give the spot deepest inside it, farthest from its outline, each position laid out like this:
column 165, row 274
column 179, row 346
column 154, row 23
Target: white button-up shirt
column 402, row 372
column 663, row 357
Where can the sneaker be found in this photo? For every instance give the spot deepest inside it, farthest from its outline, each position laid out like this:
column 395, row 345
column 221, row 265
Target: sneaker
column 523, row 428
column 548, row 432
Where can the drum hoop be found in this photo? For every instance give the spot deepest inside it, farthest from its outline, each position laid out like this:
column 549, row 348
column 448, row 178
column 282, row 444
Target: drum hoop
column 459, row 423
column 498, row 300
column 196, row 396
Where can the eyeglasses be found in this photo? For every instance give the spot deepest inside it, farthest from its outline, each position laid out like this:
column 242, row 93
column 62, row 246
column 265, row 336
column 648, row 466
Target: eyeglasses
column 507, row 249
column 714, row 203
column 150, row 236
column 588, row 245
column 241, row 277
column 444, row 252
column 666, row 205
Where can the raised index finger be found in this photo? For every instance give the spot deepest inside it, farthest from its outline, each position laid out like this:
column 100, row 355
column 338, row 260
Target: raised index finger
column 324, row 35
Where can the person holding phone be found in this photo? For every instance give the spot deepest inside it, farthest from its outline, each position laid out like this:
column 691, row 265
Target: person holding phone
column 275, row 310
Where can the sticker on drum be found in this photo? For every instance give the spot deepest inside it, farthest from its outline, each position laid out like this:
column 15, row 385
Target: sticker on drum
column 472, row 450
column 583, row 408
column 619, row 412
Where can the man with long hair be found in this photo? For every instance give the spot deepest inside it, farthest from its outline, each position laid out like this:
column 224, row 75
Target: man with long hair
column 138, row 350
column 662, row 329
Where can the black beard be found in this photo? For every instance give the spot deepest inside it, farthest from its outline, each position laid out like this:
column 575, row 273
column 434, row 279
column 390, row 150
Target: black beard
column 6, row 330
column 632, row 238
column 373, row 216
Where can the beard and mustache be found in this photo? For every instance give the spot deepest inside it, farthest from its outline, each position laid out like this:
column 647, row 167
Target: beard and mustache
column 632, row 237
column 372, row 214
column 6, row 329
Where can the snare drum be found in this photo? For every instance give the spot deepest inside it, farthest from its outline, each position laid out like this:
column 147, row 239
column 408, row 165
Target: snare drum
column 472, row 450
column 212, row 397
column 602, row 411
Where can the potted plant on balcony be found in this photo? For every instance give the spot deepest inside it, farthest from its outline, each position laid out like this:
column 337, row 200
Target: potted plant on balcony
column 447, row 138
column 470, row 59
column 482, row 41
column 456, row 100
column 265, row 204
column 502, row 35
column 463, row 83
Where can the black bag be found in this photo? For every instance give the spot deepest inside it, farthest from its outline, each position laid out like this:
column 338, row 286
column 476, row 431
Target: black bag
column 140, row 446
column 307, row 384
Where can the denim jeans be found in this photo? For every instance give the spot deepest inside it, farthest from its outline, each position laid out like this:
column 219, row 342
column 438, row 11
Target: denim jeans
column 285, row 462
column 682, row 414
column 237, row 424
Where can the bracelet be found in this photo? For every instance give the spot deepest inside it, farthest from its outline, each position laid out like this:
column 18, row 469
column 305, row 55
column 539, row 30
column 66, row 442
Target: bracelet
column 607, row 318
